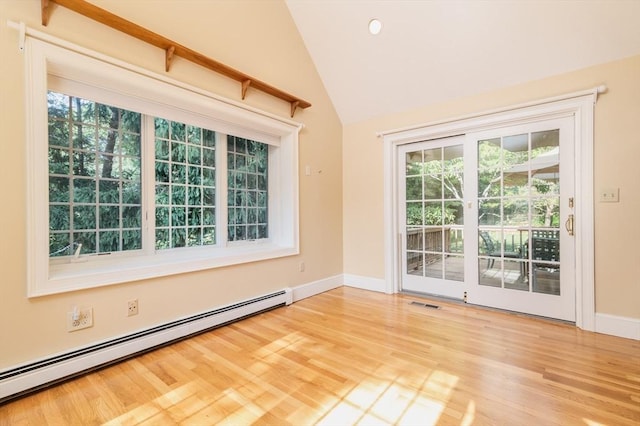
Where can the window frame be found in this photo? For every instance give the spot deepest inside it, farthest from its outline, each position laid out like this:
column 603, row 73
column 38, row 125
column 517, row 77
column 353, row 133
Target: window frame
column 77, row 71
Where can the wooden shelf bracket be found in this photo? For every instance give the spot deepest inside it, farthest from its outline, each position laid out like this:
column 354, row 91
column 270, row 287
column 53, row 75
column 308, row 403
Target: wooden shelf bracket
column 169, row 57
column 245, row 86
column 294, row 106
column 45, row 12
column 171, row 48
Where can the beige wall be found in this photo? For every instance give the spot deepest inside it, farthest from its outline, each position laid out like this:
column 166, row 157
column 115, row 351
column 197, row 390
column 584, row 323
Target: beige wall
column 258, row 38
column 617, row 164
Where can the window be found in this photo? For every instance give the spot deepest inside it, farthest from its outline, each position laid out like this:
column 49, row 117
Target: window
column 247, row 181
column 185, row 192
column 142, row 176
column 94, row 177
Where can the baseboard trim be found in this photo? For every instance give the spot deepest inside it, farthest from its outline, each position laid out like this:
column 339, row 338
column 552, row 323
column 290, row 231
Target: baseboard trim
column 614, row 325
column 366, row 283
column 316, row 287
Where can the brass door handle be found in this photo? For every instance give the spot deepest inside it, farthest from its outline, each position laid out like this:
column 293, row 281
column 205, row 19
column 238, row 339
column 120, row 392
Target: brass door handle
column 569, row 224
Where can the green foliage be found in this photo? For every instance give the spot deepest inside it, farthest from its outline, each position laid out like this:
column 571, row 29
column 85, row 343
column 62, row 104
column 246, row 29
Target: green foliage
column 94, row 157
column 247, row 163
column 185, row 185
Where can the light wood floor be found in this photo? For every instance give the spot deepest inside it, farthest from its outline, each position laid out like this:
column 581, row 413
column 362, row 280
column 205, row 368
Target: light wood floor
column 350, row 356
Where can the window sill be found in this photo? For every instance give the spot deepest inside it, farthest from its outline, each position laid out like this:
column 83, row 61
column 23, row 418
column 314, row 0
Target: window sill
column 100, row 271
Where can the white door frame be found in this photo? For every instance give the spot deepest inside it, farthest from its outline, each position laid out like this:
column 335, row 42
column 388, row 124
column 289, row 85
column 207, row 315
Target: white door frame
column 578, row 105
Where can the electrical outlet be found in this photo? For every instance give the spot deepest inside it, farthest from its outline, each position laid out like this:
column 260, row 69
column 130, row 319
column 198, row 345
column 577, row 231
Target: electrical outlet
column 79, row 319
column 301, row 267
column 132, row 307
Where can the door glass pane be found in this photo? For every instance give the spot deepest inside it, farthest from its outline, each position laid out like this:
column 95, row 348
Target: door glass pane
column 433, row 265
column 516, row 212
column 545, row 161
column 456, row 241
column 489, row 166
column 433, row 186
column 490, row 271
column 489, row 212
column 415, row 263
column 454, row 268
column 515, row 164
column 414, row 188
column 452, row 174
column 454, row 212
column 546, row 212
column 414, row 239
column 546, row 278
column 545, row 245
column 415, row 213
column 515, row 275
column 433, row 213
column 433, row 239
column 414, row 163
column 432, row 163
column 519, row 212
column 515, row 243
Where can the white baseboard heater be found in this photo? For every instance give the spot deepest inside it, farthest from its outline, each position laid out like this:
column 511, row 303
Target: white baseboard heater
column 24, row 379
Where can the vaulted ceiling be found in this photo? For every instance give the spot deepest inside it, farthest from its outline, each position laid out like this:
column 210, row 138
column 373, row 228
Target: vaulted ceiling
column 431, row 51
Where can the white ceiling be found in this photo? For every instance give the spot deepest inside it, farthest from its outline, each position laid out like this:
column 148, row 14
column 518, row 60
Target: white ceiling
column 431, row 51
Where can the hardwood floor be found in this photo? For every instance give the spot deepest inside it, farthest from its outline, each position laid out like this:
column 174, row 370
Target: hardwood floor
column 351, row 356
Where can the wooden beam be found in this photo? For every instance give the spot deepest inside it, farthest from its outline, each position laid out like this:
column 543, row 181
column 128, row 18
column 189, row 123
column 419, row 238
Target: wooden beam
column 134, row 30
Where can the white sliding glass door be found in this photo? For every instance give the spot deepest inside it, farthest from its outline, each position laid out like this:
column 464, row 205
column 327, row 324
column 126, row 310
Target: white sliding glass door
column 433, row 216
column 524, row 193
column 488, row 216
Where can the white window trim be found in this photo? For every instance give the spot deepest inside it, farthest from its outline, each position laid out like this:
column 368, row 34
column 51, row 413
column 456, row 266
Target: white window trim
column 156, row 95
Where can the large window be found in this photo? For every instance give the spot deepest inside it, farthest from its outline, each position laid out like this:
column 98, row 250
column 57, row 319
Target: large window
column 95, row 187
column 136, row 176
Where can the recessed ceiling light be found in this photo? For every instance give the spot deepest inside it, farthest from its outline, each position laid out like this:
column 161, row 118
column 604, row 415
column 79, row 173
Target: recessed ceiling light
column 375, row 26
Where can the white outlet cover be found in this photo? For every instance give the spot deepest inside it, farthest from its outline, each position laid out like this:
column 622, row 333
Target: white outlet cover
column 84, row 320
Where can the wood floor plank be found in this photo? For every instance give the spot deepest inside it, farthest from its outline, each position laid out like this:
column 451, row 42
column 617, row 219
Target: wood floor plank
column 352, row 357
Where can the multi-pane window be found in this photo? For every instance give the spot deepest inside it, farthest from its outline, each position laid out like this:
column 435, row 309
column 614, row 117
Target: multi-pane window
column 94, row 177
column 247, row 164
column 96, row 181
column 185, row 192
column 142, row 177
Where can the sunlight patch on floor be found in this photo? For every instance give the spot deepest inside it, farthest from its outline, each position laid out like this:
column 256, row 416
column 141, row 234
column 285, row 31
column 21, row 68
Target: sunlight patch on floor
column 385, row 402
column 344, row 413
column 470, row 414
column 379, row 398
column 393, row 403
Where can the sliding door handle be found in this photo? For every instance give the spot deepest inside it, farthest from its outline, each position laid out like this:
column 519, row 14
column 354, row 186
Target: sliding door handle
column 569, row 224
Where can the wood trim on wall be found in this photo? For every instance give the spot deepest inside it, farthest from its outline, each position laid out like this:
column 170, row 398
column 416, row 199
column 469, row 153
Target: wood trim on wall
column 171, row 48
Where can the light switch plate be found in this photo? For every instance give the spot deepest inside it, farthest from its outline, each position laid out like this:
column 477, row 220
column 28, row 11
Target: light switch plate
column 610, row 195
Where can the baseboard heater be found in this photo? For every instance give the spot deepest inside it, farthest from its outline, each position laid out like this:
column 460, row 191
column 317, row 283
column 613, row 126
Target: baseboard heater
column 19, row 381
